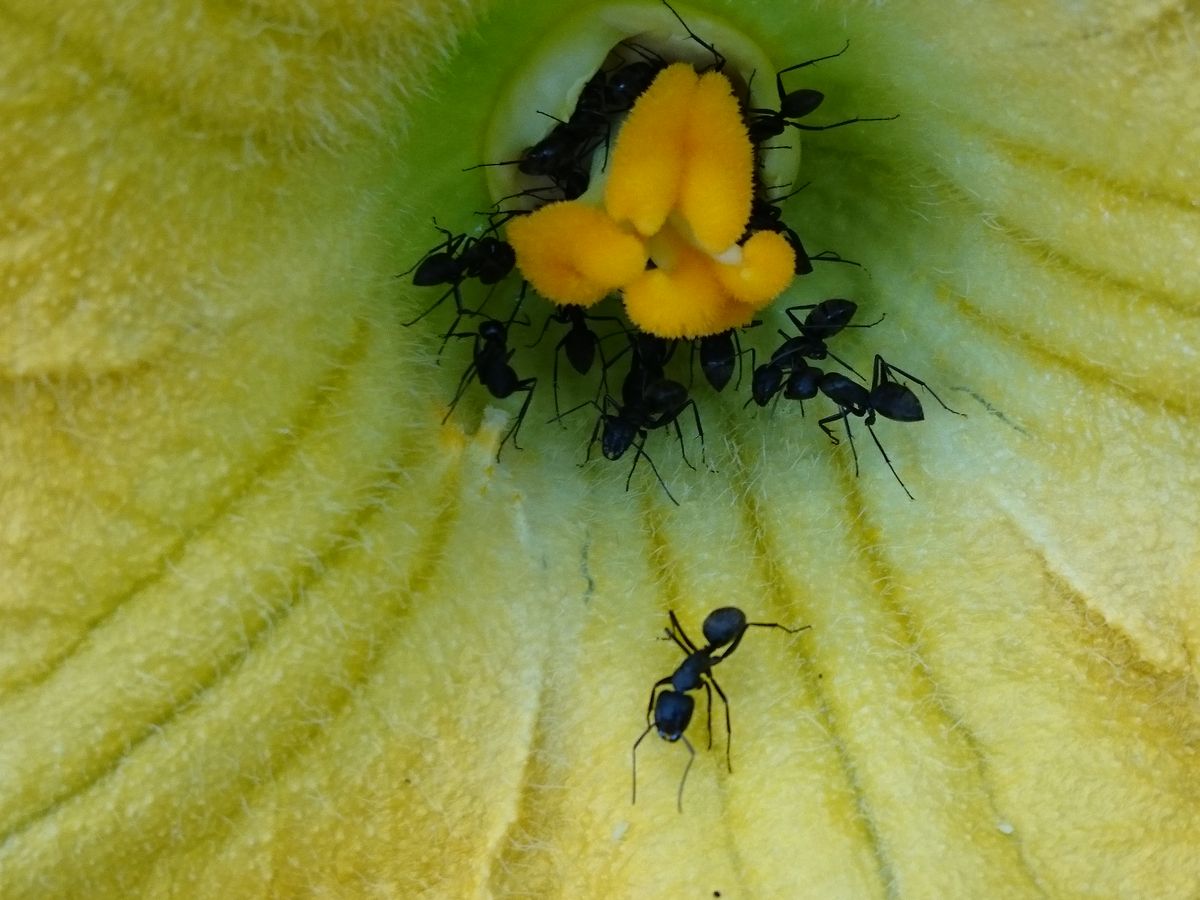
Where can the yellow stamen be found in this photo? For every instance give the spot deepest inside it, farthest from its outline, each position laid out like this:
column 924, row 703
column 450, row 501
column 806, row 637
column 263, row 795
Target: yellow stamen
column 681, row 177
column 574, row 253
column 715, row 192
column 648, row 163
column 765, row 270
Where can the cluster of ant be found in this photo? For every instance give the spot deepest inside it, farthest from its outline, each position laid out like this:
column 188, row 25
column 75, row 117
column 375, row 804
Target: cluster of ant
column 648, row 399
column 670, row 711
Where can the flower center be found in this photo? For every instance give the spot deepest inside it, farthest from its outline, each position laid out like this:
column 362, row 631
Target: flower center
column 676, row 193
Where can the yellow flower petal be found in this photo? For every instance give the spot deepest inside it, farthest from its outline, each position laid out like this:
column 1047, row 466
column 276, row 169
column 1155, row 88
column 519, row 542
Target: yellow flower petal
column 270, row 629
column 647, row 164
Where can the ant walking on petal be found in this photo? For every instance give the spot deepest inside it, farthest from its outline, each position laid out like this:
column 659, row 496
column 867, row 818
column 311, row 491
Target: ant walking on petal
column 886, row 397
column 490, row 362
column 670, row 711
column 765, row 124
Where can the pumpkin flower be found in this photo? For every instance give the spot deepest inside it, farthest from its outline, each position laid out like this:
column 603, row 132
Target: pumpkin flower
column 269, row 629
column 678, row 194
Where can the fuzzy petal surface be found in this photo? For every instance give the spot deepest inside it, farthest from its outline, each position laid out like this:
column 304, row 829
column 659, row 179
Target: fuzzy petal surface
column 270, row 629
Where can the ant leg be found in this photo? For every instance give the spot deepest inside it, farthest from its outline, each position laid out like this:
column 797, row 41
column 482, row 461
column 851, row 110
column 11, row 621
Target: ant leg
column 516, row 306
column 527, row 386
column 682, row 449
column 708, row 691
column 889, row 463
column 845, row 411
column 574, row 409
column 699, row 427
column 718, row 59
column 841, row 362
column 452, row 333
column 853, row 452
column 653, row 691
column 687, row 644
column 636, row 456
column 635, row 746
column 462, row 386
column 550, row 317
column 450, row 245
column 457, row 302
column 733, row 646
column 843, row 122
column 686, row 769
column 728, row 725
column 557, row 353
column 604, row 364
column 790, row 312
column 883, row 370
column 777, row 625
column 805, row 64
column 834, row 257
column 587, row 457
column 640, row 453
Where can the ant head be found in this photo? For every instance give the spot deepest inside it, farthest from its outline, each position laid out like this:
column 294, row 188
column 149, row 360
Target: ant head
column 722, row 625
column 491, row 330
column 765, row 384
column 673, row 714
column 617, row 436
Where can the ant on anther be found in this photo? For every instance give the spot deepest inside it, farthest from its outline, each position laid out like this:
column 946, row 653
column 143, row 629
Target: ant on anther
column 765, row 124
column 490, row 362
column 670, row 711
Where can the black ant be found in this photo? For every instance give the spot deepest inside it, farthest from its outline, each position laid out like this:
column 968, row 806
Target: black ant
column 580, row 342
column 766, row 215
column 719, row 353
column 459, row 257
column 886, row 397
column 649, row 401
column 628, row 82
column 765, row 124
column 787, row 366
column 490, row 362
column 564, row 154
column 670, row 711
column 658, row 404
